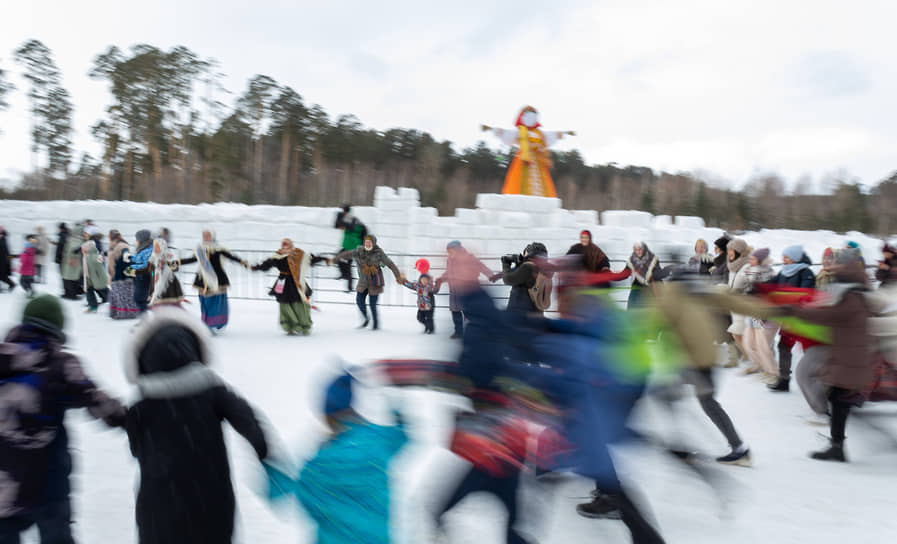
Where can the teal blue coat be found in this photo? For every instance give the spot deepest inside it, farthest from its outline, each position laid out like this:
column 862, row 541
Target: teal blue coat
column 345, row 487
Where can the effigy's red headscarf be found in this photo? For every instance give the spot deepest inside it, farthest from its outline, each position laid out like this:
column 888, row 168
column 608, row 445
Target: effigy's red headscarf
column 520, row 117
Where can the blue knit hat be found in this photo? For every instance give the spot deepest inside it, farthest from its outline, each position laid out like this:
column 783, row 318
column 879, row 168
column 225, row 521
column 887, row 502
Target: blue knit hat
column 795, row 253
column 339, row 395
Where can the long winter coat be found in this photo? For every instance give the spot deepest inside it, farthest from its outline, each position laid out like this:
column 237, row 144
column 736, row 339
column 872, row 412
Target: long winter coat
column 521, row 280
column 850, row 364
column 370, row 263
column 215, row 254
column 39, row 381
column 61, row 240
column 71, row 255
column 175, row 433
column 94, row 269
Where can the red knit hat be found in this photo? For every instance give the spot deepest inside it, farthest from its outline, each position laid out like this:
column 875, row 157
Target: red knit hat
column 422, row 266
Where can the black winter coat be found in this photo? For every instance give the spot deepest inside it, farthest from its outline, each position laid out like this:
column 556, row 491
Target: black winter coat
column 215, row 259
column 60, row 246
column 175, row 433
column 521, row 280
column 290, row 294
column 186, row 495
column 5, row 268
column 804, row 278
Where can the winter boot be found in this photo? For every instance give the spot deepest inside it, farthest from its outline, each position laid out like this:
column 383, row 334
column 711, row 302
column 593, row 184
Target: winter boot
column 603, row 506
column 740, row 456
column 781, row 385
column 835, row 452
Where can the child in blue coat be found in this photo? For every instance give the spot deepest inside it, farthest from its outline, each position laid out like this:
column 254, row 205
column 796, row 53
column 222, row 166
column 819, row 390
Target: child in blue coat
column 345, row 487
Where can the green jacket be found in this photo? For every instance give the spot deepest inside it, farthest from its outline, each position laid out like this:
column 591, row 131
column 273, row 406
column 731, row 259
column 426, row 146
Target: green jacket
column 95, row 270
column 353, row 234
column 71, row 255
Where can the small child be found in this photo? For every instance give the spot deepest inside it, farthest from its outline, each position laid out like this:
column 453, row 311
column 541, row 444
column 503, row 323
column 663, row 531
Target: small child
column 345, row 487
column 426, row 300
column 26, row 264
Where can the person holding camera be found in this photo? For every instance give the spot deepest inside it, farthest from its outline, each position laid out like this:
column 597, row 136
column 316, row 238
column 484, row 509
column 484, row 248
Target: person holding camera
column 530, row 288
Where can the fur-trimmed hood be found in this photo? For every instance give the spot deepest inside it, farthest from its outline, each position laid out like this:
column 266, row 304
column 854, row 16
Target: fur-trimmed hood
column 154, row 321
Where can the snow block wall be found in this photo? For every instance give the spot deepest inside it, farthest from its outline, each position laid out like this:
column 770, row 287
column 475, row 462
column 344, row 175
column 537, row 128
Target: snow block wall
column 499, row 224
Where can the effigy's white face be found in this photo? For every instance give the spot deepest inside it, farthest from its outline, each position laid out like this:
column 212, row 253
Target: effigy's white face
column 530, row 118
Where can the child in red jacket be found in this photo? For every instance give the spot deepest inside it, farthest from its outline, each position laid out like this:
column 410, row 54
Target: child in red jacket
column 26, row 264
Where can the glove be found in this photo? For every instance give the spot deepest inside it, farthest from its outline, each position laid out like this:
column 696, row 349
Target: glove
column 130, row 272
column 495, row 277
column 245, row 263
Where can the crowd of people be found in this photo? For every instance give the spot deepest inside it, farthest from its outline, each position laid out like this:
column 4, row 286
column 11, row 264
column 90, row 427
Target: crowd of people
column 567, row 383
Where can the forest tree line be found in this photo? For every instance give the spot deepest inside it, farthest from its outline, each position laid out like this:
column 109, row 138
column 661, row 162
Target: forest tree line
column 167, row 137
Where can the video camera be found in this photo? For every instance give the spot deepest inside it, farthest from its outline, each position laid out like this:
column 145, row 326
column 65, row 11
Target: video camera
column 512, row 259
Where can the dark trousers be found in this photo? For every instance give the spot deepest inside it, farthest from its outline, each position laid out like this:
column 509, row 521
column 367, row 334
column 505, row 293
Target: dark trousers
column 54, row 523
column 92, row 296
column 505, row 489
column 458, row 320
column 359, row 300
column 345, row 272
column 141, row 292
column 786, row 342
column 27, row 283
column 840, row 411
column 639, row 527
column 71, row 289
column 713, row 409
column 8, row 281
column 425, row 317
column 39, row 268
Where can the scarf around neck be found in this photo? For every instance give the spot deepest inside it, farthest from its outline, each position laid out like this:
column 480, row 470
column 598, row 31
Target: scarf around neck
column 206, row 270
column 789, row 270
column 298, row 261
column 642, row 266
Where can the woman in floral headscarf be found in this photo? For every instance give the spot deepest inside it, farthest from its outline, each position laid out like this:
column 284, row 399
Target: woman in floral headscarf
column 291, row 290
column 163, row 266
column 211, row 281
column 642, row 264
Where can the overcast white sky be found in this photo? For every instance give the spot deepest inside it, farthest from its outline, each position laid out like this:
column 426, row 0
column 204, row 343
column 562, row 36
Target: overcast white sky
column 729, row 88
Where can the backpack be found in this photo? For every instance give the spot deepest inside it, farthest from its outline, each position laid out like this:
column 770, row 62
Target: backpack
column 540, row 292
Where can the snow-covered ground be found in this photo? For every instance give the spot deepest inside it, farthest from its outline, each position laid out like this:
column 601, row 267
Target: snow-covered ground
column 785, row 497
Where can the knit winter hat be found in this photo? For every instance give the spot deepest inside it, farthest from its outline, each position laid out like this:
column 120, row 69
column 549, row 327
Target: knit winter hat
column 338, row 396
column 143, row 235
column 795, row 253
column 761, row 254
column 722, row 242
column 739, row 245
column 45, row 313
column 829, row 252
column 454, row 244
column 587, row 233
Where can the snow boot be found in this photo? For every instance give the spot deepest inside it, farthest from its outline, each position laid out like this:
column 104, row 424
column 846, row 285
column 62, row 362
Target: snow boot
column 835, row 452
column 603, row 506
column 782, row 385
column 740, row 456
